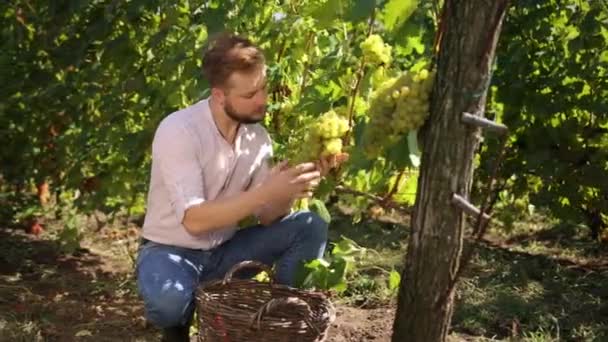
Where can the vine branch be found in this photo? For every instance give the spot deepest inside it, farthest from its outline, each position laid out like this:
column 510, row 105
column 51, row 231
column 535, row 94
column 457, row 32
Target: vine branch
column 307, row 64
column 376, row 199
column 393, row 189
column 360, row 74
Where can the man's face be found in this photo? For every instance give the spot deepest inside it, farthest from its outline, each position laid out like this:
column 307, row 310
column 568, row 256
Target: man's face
column 245, row 96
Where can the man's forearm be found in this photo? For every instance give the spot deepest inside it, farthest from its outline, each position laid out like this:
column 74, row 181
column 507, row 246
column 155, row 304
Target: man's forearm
column 215, row 214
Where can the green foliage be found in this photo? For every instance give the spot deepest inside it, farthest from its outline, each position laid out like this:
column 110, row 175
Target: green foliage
column 70, row 235
column 551, row 86
column 90, row 81
column 394, row 280
column 317, row 206
column 343, row 270
column 397, row 12
column 330, row 273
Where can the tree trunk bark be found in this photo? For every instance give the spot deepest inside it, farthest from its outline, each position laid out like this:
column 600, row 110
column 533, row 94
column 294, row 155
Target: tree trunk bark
column 470, row 33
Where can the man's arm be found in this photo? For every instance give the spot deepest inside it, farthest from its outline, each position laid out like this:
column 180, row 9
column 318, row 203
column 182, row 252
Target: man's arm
column 274, row 211
column 211, row 215
column 173, row 150
column 174, row 153
column 276, row 193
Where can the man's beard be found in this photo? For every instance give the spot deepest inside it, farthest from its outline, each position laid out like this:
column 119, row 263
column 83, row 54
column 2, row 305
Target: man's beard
column 242, row 118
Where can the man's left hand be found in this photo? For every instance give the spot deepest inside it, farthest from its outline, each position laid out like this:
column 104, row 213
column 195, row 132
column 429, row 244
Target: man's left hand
column 324, row 164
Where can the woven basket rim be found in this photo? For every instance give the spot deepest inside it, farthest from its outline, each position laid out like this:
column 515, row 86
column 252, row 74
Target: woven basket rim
column 211, row 292
column 278, row 311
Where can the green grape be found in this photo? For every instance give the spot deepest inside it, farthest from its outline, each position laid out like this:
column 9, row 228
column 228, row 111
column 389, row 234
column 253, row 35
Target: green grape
column 379, row 75
column 287, row 107
column 415, row 90
column 401, row 123
column 331, row 125
column 324, row 137
column 423, row 74
column 342, row 111
column 397, row 106
column 424, row 96
column 375, row 51
column 332, row 146
column 342, row 127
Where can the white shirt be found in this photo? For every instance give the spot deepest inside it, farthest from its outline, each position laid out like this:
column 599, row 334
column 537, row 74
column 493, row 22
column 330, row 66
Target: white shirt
column 193, row 163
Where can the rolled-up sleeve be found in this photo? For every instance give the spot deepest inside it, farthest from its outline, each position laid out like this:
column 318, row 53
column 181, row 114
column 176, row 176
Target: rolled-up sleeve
column 174, row 152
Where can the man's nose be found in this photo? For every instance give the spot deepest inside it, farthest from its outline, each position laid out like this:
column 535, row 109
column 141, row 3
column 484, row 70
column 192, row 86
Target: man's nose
column 261, row 99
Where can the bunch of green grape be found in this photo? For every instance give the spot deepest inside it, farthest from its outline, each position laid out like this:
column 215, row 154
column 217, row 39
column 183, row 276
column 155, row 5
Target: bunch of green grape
column 399, row 105
column 375, row 51
column 324, row 137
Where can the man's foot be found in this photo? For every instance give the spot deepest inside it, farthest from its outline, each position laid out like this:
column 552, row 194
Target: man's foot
column 176, row 334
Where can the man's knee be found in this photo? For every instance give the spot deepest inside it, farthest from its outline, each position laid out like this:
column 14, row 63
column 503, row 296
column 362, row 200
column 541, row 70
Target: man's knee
column 312, row 226
column 166, row 284
column 169, row 307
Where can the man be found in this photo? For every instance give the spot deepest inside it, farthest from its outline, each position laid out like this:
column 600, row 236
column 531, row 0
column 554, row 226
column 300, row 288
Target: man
column 210, row 170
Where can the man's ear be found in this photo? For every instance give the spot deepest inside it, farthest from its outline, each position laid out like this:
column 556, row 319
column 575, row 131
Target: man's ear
column 219, row 95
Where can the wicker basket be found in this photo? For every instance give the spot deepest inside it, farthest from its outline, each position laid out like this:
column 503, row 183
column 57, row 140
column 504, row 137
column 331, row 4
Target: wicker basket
column 233, row 310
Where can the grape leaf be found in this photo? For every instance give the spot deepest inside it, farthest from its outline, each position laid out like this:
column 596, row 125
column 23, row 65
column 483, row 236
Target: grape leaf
column 317, row 206
column 396, row 13
column 327, row 12
column 361, row 10
column 394, row 280
column 399, row 154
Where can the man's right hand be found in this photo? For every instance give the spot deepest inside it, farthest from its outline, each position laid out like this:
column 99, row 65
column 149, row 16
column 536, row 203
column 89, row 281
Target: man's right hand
column 291, row 183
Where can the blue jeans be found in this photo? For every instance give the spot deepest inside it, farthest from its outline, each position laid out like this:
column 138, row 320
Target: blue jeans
column 167, row 276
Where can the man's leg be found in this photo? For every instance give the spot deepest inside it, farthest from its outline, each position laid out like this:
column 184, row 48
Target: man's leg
column 299, row 237
column 167, row 278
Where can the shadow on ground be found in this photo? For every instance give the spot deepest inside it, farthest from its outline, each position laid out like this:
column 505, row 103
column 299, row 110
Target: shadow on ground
column 515, row 293
column 47, row 296
column 544, row 286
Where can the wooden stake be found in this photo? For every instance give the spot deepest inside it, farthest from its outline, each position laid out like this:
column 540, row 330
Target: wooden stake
column 482, row 122
column 467, row 207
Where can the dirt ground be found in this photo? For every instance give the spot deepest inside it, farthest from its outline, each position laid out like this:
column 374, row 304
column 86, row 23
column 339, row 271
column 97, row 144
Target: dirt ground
column 90, row 296
column 47, row 295
column 353, row 324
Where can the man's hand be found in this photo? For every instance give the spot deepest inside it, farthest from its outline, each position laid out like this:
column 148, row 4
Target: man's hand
column 284, row 166
column 324, row 164
column 279, row 167
column 283, row 185
column 287, row 183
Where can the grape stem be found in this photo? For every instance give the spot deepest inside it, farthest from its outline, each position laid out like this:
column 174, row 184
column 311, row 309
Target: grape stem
column 282, row 47
column 360, row 74
column 306, row 64
column 395, row 186
column 281, row 50
column 276, row 122
column 440, row 30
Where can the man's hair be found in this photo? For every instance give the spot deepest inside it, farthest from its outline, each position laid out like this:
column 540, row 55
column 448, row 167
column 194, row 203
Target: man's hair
column 227, row 53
